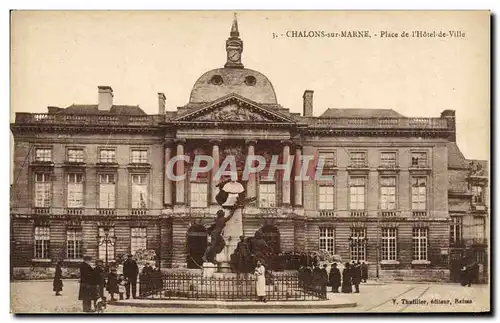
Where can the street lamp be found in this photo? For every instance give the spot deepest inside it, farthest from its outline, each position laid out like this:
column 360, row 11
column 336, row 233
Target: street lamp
column 107, row 239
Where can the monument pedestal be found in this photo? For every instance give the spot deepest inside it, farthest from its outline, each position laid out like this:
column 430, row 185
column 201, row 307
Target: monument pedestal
column 209, row 269
column 232, row 232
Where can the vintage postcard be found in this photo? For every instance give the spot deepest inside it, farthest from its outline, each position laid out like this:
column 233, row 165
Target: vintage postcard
column 250, row 162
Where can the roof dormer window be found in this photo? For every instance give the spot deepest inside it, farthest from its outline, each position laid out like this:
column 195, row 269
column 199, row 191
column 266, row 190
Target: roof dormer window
column 216, row 80
column 250, row 80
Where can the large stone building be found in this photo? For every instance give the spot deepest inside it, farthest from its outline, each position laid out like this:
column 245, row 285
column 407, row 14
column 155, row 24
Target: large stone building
column 87, row 170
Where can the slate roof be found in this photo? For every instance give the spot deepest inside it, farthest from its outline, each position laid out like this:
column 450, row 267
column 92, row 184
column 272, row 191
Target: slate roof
column 456, row 159
column 361, row 113
column 92, row 109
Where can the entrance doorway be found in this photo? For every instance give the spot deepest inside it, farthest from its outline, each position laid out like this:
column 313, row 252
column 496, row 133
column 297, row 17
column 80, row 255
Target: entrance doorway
column 196, row 245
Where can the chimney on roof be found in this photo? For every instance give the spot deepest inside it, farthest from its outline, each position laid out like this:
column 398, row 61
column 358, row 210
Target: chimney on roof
column 161, row 103
column 308, row 103
column 105, row 97
column 450, row 116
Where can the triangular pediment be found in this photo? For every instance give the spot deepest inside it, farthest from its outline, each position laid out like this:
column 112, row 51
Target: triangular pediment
column 233, row 109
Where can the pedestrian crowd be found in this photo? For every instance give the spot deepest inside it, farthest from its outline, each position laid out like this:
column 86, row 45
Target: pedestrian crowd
column 94, row 280
column 353, row 274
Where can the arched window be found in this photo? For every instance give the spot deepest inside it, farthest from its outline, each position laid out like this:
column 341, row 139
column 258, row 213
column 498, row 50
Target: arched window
column 196, row 245
column 271, row 235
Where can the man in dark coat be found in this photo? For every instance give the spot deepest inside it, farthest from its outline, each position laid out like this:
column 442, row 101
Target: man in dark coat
column 317, row 276
column 130, row 271
column 364, row 272
column 334, row 278
column 324, row 274
column 87, row 291
column 356, row 276
column 100, row 276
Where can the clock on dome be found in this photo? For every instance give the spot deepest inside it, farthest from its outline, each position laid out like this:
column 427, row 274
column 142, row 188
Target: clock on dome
column 234, row 47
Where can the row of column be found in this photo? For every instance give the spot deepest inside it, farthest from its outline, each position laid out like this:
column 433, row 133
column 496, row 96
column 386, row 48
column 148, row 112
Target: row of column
column 251, row 184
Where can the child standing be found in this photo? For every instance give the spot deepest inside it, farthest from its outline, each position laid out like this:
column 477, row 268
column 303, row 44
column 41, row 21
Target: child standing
column 122, row 283
column 112, row 285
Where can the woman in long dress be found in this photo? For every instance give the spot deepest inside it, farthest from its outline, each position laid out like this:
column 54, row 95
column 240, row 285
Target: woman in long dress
column 260, row 272
column 57, row 283
column 346, row 279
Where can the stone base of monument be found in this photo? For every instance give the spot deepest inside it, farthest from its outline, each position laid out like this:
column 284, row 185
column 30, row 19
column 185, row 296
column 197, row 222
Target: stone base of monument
column 209, row 269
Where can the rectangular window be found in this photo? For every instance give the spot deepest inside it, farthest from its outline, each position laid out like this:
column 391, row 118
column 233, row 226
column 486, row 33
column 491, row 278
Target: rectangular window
column 358, row 159
column 358, row 244
column 199, row 194
column 388, row 159
column 389, row 242
column 327, row 240
column 139, row 156
column 420, row 243
column 107, row 156
column 328, row 159
column 357, row 193
column 42, row 242
column 419, row 159
column 388, row 193
column 110, row 245
column 267, row 195
column 74, row 244
column 75, row 191
column 138, row 239
column 139, row 192
column 456, row 229
column 43, row 190
column 419, row 193
column 326, row 197
column 75, row 155
column 477, row 194
column 106, row 191
column 479, row 224
column 43, row 155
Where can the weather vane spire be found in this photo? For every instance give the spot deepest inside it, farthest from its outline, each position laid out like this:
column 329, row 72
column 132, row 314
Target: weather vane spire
column 234, row 29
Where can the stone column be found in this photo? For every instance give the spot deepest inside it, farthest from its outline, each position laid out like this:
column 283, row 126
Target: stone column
column 297, row 188
column 180, row 185
column 167, row 182
column 251, row 184
column 286, row 182
column 216, row 157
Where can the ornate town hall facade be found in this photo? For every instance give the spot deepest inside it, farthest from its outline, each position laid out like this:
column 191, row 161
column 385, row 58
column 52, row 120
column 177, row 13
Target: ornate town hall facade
column 85, row 171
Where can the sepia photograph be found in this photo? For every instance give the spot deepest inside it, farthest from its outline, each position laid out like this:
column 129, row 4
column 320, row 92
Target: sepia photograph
column 250, row 162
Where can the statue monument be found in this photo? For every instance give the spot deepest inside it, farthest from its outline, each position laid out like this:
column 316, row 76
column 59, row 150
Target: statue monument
column 226, row 231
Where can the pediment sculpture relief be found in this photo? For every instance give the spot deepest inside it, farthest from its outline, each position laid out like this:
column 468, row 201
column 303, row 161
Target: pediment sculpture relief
column 232, row 112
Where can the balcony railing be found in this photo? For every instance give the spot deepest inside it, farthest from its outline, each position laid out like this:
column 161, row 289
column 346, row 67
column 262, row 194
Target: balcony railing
column 327, row 213
column 356, row 213
column 104, row 120
column 388, row 214
column 408, row 123
column 358, row 165
column 475, row 241
column 74, row 211
column 42, row 210
column 420, row 165
column 106, row 212
column 139, row 212
column 419, row 213
column 388, row 166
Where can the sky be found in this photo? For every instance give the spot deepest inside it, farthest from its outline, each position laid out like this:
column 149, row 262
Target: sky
column 59, row 58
